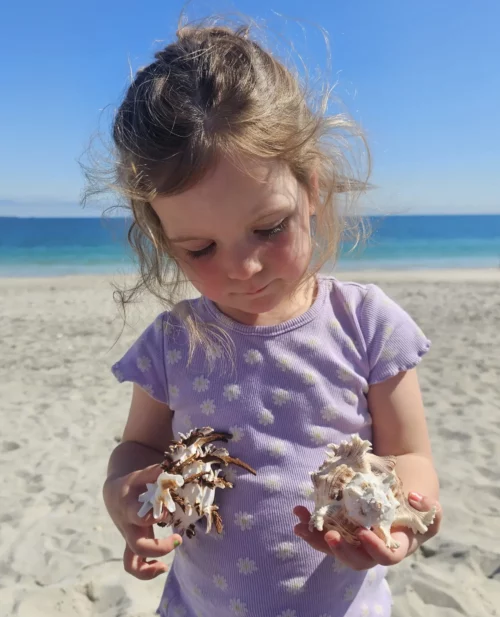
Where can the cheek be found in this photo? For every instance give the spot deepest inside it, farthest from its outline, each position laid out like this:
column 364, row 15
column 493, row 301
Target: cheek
column 205, row 275
column 289, row 253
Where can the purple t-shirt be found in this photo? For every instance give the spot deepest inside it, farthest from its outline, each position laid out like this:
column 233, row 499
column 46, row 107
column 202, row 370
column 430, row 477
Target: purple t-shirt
column 292, row 389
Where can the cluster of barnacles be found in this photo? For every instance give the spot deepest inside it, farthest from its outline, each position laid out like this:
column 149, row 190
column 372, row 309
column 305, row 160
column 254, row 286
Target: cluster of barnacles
column 191, row 471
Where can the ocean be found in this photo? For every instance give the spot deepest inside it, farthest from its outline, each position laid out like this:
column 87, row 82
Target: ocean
column 62, row 246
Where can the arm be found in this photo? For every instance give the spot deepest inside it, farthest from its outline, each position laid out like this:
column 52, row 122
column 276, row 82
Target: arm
column 399, row 429
column 132, row 464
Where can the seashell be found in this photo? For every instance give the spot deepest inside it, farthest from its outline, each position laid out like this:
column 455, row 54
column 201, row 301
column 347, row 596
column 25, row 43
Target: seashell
column 354, row 488
column 192, row 470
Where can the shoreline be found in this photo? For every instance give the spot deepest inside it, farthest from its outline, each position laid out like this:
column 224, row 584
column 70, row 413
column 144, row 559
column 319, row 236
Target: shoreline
column 434, row 275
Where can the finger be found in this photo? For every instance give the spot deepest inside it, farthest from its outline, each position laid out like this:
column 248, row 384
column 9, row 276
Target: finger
column 302, row 513
column 355, row 557
column 140, row 568
column 314, row 538
column 375, row 547
column 424, row 504
column 142, row 541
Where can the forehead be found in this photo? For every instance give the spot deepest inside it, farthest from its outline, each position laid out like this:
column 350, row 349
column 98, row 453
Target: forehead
column 229, row 192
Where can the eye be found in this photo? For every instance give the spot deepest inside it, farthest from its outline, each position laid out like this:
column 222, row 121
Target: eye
column 273, row 231
column 202, row 252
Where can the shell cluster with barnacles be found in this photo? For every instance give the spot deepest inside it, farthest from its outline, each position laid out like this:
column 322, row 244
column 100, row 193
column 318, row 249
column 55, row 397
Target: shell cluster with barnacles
column 186, row 486
column 354, row 488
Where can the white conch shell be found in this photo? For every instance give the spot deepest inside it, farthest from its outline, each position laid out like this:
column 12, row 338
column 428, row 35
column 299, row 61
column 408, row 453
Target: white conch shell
column 186, row 488
column 354, row 488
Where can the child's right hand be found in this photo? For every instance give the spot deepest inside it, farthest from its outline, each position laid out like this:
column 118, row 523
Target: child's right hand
column 142, row 548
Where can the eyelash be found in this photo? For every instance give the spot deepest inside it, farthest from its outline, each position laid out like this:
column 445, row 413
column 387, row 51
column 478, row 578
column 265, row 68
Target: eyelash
column 266, row 234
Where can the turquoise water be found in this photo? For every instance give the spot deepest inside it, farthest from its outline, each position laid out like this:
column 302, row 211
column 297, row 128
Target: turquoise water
column 47, row 247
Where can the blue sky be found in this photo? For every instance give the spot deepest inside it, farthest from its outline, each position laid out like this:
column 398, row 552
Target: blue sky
column 422, row 77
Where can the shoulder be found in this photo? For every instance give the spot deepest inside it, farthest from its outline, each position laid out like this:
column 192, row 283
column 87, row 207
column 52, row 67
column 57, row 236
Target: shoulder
column 356, row 299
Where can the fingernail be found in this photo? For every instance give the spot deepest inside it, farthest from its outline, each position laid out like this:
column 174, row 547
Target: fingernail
column 177, row 543
column 416, row 496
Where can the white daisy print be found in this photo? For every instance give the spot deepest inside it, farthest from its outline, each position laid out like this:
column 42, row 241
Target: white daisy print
column 280, row 396
column 244, row 520
column 295, row 585
column 288, row 613
column 236, row 432
column 265, row 417
column 338, row 566
column 200, row 384
column 196, row 590
column 143, row 363
column 306, row 489
column 317, row 435
column 389, row 354
column 312, row 343
column 188, row 423
column 253, row 356
column 349, row 397
column 173, row 356
column 272, row 483
column 334, row 324
column 344, row 374
column 173, row 391
column 285, row 550
column 350, row 593
column 309, row 378
column 329, row 413
column 276, row 448
column 232, row 392
column 371, row 577
column 284, row 364
column 220, row 581
column 238, row 607
column 215, row 351
column 208, row 407
column 164, row 605
column 365, row 610
column 179, row 611
column 378, row 609
column 388, row 330
column 149, row 389
column 246, row 566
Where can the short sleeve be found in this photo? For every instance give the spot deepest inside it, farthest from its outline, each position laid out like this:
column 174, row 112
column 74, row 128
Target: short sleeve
column 144, row 362
column 394, row 342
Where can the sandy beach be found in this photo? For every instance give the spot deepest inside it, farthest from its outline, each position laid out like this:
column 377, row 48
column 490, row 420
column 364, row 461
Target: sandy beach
column 62, row 413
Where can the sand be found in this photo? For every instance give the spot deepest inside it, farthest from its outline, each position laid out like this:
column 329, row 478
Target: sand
column 62, row 413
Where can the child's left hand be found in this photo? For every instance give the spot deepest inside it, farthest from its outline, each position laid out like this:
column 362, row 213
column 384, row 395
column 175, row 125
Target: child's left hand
column 372, row 551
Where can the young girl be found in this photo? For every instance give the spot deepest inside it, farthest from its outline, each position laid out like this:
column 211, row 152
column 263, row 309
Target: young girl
column 225, row 166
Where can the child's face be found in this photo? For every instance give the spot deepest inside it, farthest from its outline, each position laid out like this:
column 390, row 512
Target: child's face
column 242, row 238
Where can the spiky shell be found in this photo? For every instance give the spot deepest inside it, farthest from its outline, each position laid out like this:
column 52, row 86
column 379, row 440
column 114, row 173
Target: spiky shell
column 354, row 488
column 192, row 471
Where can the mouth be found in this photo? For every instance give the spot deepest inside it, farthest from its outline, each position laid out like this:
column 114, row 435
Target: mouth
column 255, row 291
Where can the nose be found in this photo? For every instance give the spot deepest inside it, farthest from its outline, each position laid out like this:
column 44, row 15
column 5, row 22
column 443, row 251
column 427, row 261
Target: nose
column 243, row 263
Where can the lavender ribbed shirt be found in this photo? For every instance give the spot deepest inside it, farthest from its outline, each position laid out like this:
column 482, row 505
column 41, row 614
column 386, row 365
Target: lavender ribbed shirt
column 294, row 388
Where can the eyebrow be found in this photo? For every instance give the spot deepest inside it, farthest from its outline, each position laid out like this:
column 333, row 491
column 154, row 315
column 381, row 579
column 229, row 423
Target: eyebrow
column 265, row 215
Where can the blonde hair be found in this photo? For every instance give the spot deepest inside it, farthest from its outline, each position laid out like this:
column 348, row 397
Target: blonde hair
column 215, row 92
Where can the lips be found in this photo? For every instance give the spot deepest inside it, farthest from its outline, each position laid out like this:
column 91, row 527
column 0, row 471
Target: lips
column 255, row 291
